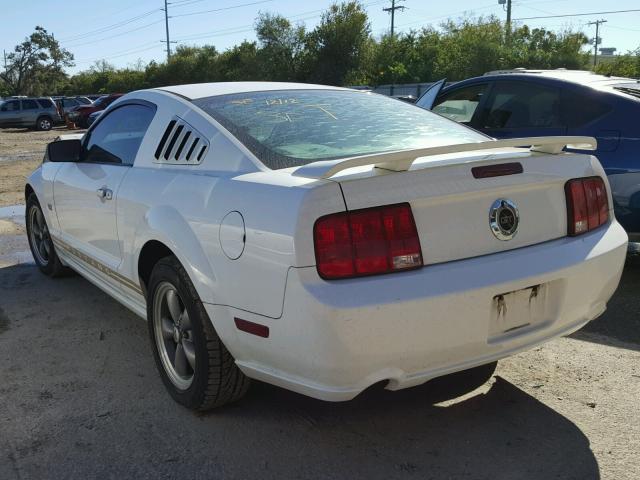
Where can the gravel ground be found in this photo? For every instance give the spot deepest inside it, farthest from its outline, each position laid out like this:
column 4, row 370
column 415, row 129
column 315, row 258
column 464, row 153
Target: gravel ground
column 80, row 396
column 21, row 151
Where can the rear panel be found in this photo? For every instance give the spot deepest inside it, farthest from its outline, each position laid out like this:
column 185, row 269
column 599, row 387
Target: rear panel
column 451, row 207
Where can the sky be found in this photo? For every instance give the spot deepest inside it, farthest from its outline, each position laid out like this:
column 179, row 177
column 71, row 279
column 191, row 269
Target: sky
column 126, row 31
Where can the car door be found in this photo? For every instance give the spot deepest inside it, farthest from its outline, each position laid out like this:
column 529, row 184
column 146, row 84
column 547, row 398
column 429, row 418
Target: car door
column 29, row 112
column 428, row 98
column 86, row 192
column 10, row 113
column 516, row 108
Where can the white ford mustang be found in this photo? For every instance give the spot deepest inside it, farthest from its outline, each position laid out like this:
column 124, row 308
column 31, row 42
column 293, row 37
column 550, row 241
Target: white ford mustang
column 323, row 239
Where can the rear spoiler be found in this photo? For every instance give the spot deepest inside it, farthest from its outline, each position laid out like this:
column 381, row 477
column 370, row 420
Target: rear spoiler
column 402, row 160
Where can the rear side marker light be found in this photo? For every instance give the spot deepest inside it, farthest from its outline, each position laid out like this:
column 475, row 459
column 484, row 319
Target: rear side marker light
column 367, row 242
column 251, row 327
column 587, row 205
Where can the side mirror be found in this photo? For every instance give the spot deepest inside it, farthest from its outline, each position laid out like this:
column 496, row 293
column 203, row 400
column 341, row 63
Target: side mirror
column 64, row 151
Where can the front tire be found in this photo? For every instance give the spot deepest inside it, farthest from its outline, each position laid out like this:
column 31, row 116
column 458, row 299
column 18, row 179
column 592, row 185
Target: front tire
column 40, row 242
column 195, row 366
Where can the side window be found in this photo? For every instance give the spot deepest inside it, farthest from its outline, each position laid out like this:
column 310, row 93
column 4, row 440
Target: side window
column 46, row 103
column 70, row 102
column 29, row 105
column 523, row 105
column 461, row 104
column 117, row 138
column 10, row 106
column 583, row 107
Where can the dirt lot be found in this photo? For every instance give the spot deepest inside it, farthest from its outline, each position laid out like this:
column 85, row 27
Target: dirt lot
column 80, row 398
column 21, row 151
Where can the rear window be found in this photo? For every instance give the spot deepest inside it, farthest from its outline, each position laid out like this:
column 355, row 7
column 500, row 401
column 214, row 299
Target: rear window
column 287, row 128
column 582, row 108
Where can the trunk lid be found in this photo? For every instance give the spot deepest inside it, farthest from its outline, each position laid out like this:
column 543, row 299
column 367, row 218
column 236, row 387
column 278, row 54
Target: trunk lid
column 452, row 208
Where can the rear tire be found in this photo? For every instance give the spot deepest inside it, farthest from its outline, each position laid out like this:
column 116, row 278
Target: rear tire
column 40, row 242
column 44, row 124
column 195, row 366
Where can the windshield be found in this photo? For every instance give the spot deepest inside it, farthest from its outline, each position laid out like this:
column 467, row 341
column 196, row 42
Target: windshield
column 286, row 128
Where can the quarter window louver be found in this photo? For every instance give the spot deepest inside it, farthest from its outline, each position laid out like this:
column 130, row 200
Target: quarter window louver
column 167, row 152
column 181, row 144
column 193, row 146
column 163, row 140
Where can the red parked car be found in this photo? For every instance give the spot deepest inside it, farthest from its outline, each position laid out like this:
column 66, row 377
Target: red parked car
column 80, row 114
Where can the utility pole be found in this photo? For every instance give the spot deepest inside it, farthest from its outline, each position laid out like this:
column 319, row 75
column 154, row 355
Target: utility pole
column 5, row 59
column 166, row 24
column 392, row 9
column 508, row 22
column 596, row 40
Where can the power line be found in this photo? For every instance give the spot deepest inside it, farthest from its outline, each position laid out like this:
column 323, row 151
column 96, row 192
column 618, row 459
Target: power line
column 221, row 9
column 109, row 27
column 115, row 35
column 448, row 15
column 580, row 14
column 250, row 27
column 123, row 53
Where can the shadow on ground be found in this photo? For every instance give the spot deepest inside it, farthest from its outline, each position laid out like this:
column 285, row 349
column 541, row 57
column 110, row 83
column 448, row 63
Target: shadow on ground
column 80, row 397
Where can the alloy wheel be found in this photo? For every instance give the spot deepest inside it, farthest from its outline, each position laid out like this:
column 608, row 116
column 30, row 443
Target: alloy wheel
column 40, row 238
column 174, row 335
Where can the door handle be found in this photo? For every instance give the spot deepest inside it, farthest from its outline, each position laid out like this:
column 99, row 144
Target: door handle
column 104, row 193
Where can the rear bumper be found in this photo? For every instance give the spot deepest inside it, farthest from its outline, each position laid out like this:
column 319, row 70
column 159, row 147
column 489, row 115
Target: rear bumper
column 337, row 338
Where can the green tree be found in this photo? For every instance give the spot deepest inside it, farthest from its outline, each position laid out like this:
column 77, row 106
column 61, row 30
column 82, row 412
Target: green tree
column 627, row 65
column 336, row 48
column 36, row 65
column 280, row 47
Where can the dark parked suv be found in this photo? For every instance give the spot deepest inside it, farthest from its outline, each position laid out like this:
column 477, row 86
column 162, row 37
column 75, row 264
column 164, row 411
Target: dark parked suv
column 38, row 113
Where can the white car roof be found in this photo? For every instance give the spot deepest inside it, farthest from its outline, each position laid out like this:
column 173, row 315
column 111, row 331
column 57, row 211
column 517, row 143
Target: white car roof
column 201, row 90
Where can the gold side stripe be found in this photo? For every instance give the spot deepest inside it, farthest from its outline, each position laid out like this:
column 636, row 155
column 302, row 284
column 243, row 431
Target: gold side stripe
column 97, row 265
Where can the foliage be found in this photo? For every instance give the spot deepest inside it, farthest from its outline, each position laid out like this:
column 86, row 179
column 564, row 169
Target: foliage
column 340, row 50
column 281, row 47
column 335, row 49
column 36, row 65
column 623, row 65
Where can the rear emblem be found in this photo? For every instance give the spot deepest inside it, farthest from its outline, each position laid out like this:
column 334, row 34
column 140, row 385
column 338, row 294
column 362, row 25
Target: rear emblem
column 504, row 219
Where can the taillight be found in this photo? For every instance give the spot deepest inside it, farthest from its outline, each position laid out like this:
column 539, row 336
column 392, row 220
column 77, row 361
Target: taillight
column 367, row 242
column 587, row 204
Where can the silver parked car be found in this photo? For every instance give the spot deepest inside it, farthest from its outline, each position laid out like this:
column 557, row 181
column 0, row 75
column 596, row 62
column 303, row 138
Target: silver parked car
column 38, row 113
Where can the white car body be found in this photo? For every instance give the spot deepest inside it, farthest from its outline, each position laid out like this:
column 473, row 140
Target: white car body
column 244, row 234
